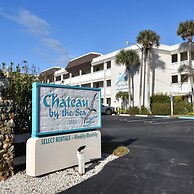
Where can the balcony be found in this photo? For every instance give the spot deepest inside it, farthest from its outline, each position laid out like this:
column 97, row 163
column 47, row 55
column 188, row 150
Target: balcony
column 98, row 75
column 86, row 78
column 108, row 91
column 108, row 73
column 181, row 88
column 176, row 65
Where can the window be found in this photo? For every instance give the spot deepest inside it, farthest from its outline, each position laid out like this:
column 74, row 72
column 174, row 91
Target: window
column 58, row 78
column 108, row 101
column 108, row 64
column 108, row 83
column 183, row 56
column 66, row 76
column 192, row 55
column 174, row 58
column 98, row 67
column 86, row 71
column 175, row 79
column 184, row 78
column 98, row 84
column 86, row 85
column 74, row 74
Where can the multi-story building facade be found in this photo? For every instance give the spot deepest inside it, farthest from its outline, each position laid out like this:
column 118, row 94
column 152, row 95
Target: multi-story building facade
column 101, row 71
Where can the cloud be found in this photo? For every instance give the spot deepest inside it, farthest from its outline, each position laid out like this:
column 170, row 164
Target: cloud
column 38, row 27
column 55, row 44
column 32, row 23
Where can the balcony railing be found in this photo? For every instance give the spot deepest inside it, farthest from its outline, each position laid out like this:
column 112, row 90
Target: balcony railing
column 98, row 75
column 85, row 77
column 181, row 88
column 175, row 66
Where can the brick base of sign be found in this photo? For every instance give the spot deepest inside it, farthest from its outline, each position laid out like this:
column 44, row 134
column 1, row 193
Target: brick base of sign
column 54, row 153
column 6, row 139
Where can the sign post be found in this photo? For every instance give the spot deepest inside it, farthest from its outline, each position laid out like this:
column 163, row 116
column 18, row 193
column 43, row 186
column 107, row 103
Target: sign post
column 64, row 118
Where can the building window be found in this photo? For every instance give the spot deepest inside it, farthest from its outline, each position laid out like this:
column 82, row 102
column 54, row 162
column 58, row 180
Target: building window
column 108, row 64
column 192, row 55
column 86, row 71
column 99, row 67
column 98, row 84
column 86, row 85
column 108, row 101
column 102, row 100
column 108, row 83
column 74, row 74
column 174, row 58
column 58, row 78
column 66, row 76
column 184, row 78
column 183, row 56
column 175, row 79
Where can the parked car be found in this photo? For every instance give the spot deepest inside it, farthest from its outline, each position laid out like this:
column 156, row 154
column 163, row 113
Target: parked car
column 108, row 110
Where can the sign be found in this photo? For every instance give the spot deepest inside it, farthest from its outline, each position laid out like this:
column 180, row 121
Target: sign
column 52, row 153
column 63, row 109
column 122, row 82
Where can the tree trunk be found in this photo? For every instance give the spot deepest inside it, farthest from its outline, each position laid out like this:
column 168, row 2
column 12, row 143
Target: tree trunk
column 144, row 77
column 140, row 80
column 148, row 83
column 190, row 72
column 129, row 89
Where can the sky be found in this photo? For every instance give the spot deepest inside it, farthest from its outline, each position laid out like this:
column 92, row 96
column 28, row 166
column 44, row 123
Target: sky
column 48, row 33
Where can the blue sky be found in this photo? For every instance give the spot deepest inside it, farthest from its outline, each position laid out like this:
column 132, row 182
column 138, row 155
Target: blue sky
column 49, row 33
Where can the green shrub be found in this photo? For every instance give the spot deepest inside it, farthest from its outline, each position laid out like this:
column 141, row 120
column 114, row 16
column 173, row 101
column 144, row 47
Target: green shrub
column 144, row 111
column 160, row 98
column 161, row 108
column 134, row 110
column 182, row 108
column 122, row 110
column 20, row 91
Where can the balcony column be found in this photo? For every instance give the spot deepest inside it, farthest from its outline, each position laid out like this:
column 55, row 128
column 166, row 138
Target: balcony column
column 70, row 76
column 92, row 71
column 80, row 74
column 178, row 65
column 104, row 80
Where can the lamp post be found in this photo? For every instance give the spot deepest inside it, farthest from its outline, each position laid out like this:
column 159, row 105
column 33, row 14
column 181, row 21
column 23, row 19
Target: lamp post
column 3, row 83
column 141, row 68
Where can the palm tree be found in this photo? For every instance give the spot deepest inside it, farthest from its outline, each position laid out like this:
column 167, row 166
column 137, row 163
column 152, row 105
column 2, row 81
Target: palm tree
column 128, row 58
column 186, row 31
column 148, row 39
column 124, row 97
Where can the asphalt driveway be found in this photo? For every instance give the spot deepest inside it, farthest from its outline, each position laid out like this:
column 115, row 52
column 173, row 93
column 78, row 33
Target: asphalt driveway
column 161, row 157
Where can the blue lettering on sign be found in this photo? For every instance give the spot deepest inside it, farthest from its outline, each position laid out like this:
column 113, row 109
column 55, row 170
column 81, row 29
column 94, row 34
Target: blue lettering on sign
column 51, row 100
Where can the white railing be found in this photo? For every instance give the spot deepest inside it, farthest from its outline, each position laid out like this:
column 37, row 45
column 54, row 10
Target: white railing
column 175, row 66
column 108, row 91
column 85, row 78
column 108, row 73
column 98, row 75
column 75, row 80
column 181, row 88
column 102, row 91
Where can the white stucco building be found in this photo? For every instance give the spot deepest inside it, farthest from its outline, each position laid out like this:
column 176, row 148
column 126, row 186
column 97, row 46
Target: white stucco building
column 101, row 71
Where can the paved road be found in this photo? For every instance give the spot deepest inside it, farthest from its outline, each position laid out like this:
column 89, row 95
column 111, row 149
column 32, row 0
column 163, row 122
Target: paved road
column 161, row 158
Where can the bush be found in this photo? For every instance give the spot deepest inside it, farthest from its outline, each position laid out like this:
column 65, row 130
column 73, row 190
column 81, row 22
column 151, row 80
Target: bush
column 20, row 91
column 134, row 110
column 182, row 108
column 160, row 98
column 161, row 108
column 144, row 111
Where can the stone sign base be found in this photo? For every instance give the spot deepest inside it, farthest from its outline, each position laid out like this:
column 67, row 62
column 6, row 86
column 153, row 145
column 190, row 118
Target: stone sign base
column 52, row 153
